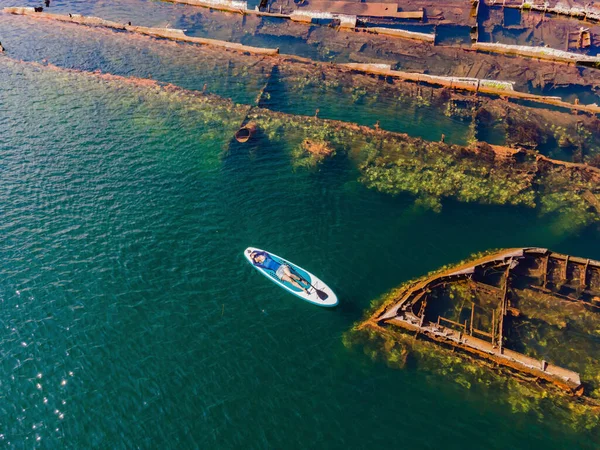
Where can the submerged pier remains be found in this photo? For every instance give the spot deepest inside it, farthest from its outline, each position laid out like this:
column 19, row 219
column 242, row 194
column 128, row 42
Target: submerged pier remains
column 165, row 33
column 493, row 87
column 397, row 164
column 479, row 309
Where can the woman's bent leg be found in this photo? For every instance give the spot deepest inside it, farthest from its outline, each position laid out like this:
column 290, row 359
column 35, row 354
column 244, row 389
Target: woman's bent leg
column 289, row 279
column 288, row 272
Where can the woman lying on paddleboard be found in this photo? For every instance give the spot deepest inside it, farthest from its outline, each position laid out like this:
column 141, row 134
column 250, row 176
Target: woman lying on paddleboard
column 283, row 272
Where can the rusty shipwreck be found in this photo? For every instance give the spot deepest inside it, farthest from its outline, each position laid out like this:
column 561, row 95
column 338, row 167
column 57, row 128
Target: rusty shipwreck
column 480, row 308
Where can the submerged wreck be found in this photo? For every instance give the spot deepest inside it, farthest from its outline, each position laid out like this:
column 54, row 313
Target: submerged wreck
column 389, row 162
column 499, row 112
column 528, row 312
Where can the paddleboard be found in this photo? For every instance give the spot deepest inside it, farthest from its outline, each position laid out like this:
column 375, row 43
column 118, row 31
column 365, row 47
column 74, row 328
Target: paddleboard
column 312, row 296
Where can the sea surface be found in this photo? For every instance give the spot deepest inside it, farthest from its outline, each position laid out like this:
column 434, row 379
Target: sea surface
column 129, row 316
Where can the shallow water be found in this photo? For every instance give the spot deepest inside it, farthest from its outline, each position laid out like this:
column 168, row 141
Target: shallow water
column 238, row 77
column 130, row 317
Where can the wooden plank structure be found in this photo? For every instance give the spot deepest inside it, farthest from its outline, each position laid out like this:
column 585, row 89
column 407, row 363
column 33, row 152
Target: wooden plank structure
column 409, row 310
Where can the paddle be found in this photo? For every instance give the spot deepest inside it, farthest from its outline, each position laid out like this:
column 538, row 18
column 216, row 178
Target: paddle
column 322, row 295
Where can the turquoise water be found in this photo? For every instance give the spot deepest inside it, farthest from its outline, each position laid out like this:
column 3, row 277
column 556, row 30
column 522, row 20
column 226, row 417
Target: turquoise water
column 130, row 318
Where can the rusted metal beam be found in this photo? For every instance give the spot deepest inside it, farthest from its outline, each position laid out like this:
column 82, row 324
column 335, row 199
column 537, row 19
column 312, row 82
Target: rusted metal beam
column 493, row 327
column 583, row 276
column 488, row 289
column 472, row 315
column 482, row 333
column 503, row 304
column 422, row 311
column 545, row 260
column 563, row 273
column 458, row 324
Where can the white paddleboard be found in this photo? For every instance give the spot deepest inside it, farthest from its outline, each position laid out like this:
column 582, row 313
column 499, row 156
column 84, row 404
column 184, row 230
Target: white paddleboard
column 316, row 284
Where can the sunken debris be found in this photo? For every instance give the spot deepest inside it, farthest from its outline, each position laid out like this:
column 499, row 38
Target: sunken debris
column 380, row 90
column 529, row 310
column 569, row 137
column 568, row 194
column 166, row 33
column 399, row 50
column 245, row 133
